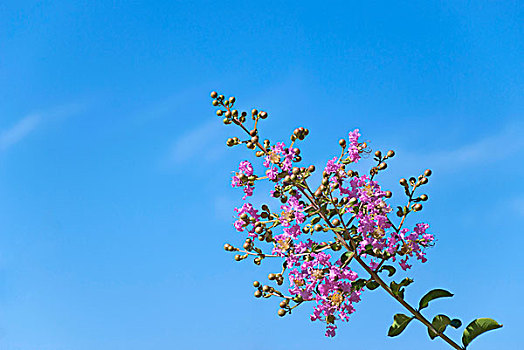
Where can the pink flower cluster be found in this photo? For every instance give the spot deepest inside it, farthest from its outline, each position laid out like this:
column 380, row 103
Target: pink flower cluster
column 313, row 274
column 240, row 224
column 293, row 210
column 329, row 285
column 410, row 244
column 280, row 156
column 372, row 216
column 353, row 152
column 245, row 169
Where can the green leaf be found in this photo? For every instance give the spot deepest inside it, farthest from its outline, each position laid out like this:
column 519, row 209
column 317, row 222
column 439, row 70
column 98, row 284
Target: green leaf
column 476, row 328
column 400, row 322
column 440, row 322
column 358, row 284
column 433, row 294
column 372, row 285
column 391, row 270
column 455, row 323
column 345, row 258
column 396, row 287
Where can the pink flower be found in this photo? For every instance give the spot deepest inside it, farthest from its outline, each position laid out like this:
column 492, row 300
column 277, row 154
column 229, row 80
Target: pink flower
column 331, row 166
column 353, row 152
column 272, row 173
column 245, row 169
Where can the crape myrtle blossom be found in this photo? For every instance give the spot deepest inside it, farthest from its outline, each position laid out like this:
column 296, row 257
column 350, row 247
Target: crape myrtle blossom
column 245, row 169
column 328, row 285
column 293, row 210
column 353, row 151
column 373, row 223
column 281, row 156
column 244, row 212
column 317, row 279
column 348, row 210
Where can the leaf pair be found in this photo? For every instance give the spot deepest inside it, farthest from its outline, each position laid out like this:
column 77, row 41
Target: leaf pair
column 397, row 289
column 440, row 322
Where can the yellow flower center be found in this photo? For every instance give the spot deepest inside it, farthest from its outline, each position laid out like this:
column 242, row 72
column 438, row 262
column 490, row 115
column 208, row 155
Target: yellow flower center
column 274, row 158
column 337, row 298
column 299, row 282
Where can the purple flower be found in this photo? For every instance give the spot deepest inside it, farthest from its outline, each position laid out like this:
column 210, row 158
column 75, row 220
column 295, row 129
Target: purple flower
column 353, row 152
column 332, row 166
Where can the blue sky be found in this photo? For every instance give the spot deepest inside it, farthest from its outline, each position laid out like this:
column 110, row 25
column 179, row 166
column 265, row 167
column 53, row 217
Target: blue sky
column 115, row 195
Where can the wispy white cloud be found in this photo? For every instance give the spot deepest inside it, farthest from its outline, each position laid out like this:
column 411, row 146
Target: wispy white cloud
column 507, row 142
column 28, row 124
column 20, row 130
column 198, row 141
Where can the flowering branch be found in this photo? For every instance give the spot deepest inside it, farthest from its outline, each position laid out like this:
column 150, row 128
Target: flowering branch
column 351, row 207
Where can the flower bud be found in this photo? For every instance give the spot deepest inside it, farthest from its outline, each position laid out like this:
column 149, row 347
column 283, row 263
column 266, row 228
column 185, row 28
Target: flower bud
column 417, row 207
column 424, row 180
column 378, row 154
column 382, row 166
column 424, row 197
column 391, row 153
column 403, row 182
column 428, row 173
column 258, row 294
column 232, row 99
column 256, row 284
column 214, row 94
column 281, row 312
column 388, row 194
column 342, row 143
